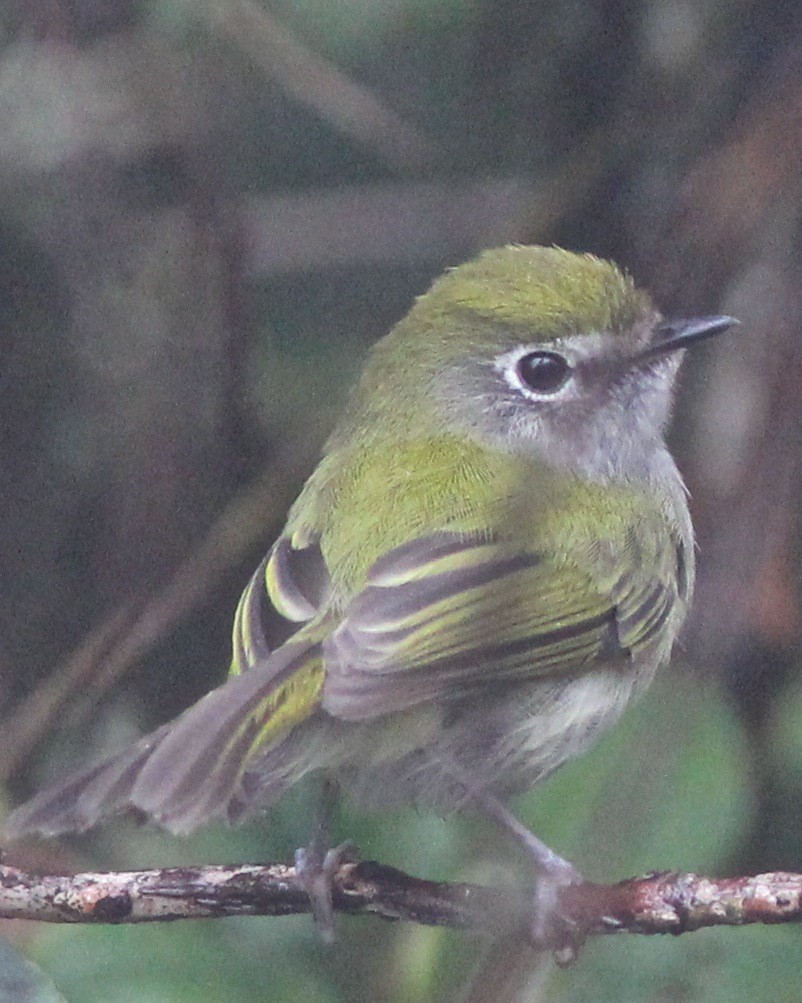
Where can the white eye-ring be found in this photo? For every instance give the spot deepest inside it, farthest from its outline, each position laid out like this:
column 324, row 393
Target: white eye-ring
column 537, row 373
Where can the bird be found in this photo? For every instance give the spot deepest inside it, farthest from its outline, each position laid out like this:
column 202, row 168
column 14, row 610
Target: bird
column 492, row 559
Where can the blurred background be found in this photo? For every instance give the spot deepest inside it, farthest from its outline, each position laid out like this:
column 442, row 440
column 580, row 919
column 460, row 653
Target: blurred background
column 208, row 210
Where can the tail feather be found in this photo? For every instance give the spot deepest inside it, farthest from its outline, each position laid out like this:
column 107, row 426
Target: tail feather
column 78, row 803
column 189, row 771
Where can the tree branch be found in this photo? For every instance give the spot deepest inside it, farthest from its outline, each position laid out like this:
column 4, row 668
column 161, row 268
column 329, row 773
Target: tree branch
column 318, row 84
column 666, row 902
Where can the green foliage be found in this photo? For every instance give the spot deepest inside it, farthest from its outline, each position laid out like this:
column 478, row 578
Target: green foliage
column 207, row 961
column 23, row 982
column 756, row 964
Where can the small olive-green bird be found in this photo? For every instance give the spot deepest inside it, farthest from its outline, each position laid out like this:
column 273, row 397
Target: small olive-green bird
column 492, row 559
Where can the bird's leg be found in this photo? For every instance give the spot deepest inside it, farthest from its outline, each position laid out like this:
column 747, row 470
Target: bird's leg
column 317, row 863
column 544, row 857
column 553, row 872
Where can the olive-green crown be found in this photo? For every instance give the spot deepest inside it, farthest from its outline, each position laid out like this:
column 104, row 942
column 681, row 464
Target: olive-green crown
column 505, row 297
column 544, row 290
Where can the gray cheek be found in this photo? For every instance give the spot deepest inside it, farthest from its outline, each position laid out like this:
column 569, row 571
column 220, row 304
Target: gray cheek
column 476, row 403
column 514, row 425
column 505, row 409
column 500, row 418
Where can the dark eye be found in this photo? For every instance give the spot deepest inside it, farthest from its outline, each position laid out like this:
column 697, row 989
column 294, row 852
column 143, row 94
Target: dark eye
column 543, row 372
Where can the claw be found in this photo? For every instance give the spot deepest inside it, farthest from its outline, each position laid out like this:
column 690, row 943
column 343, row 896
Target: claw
column 314, row 873
column 550, row 926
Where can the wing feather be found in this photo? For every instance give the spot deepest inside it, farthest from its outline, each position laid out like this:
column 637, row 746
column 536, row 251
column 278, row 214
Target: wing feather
column 294, row 579
column 449, row 614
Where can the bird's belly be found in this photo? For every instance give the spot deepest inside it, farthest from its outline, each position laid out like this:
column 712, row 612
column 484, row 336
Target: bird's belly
column 503, row 742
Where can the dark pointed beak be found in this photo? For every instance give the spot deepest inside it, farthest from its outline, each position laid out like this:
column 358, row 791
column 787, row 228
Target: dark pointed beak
column 672, row 335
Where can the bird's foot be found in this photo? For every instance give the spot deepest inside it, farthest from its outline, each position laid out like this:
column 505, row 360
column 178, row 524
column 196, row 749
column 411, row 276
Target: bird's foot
column 550, row 926
column 314, row 873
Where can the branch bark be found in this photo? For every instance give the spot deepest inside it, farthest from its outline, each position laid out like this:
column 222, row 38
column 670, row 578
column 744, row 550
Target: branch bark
column 665, row 902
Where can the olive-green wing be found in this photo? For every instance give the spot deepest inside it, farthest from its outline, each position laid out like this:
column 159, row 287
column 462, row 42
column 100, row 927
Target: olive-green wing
column 441, row 616
column 447, row 615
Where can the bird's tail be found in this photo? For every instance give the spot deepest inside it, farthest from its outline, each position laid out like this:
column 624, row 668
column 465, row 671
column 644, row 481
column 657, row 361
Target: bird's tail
column 190, row 770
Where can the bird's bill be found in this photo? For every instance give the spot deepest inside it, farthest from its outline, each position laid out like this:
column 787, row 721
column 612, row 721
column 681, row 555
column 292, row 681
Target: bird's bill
column 673, row 335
